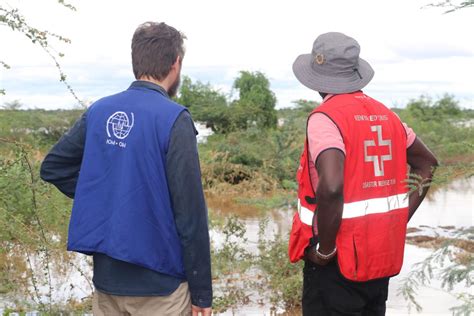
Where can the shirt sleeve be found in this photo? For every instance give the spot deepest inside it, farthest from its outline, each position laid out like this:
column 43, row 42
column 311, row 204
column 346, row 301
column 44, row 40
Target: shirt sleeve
column 323, row 134
column 190, row 210
column 61, row 165
column 411, row 136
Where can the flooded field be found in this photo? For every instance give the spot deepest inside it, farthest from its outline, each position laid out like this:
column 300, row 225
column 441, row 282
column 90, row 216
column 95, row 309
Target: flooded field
column 440, row 215
column 445, row 211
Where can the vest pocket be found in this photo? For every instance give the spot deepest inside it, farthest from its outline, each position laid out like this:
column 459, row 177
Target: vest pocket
column 356, row 259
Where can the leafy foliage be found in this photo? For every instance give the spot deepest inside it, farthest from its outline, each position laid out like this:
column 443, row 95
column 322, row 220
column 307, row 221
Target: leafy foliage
column 40, row 129
column 255, row 106
column 230, row 266
column 450, row 264
column 240, row 273
column 256, row 100
column 206, row 104
column 33, row 222
column 256, row 160
column 282, row 278
column 447, row 130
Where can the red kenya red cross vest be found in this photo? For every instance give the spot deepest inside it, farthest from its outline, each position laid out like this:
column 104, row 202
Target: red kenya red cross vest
column 371, row 239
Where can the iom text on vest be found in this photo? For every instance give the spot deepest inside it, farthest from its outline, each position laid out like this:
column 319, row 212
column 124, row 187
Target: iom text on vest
column 115, row 143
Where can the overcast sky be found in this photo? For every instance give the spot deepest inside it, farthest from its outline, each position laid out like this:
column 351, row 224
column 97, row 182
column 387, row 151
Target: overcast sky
column 413, row 50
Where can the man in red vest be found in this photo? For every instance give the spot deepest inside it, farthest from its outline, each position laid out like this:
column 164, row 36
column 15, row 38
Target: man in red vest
column 353, row 203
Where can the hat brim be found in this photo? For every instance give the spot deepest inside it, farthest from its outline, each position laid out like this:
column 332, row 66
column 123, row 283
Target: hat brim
column 331, row 84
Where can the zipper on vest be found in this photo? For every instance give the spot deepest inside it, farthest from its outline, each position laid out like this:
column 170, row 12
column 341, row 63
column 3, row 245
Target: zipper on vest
column 356, row 258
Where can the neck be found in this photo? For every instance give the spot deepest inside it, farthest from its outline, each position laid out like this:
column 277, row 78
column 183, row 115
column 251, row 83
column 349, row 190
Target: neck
column 163, row 83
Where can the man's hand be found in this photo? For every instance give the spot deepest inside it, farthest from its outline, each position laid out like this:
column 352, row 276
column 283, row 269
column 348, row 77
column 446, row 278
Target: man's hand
column 205, row 311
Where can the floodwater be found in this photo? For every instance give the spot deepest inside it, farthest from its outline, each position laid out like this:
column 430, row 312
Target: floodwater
column 449, row 206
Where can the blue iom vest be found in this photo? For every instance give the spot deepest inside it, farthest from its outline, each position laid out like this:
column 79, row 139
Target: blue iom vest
column 122, row 206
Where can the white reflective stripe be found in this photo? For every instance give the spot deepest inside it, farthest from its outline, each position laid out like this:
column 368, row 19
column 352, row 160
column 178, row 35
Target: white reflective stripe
column 306, row 216
column 374, row 206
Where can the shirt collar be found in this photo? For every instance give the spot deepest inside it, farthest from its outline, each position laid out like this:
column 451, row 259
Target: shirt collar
column 140, row 84
column 327, row 97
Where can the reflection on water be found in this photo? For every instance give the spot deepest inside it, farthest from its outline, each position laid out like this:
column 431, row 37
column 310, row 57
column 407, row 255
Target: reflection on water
column 449, row 206
column 71, row 276
column 203, row 132
column 225, row 205
column 279, row 224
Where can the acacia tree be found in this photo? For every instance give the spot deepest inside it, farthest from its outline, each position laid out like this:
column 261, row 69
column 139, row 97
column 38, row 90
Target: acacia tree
column 13, row 19
column 14, row 105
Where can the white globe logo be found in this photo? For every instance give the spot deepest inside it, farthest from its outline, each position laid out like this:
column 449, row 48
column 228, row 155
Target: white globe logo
column 119, row 124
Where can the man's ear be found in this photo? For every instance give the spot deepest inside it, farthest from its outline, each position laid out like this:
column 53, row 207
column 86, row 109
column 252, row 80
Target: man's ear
column 177, row 62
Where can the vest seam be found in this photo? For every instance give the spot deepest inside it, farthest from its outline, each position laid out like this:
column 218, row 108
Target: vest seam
column 172, row 126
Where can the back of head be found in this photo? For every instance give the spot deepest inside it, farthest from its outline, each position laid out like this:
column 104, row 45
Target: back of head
column 155, row 48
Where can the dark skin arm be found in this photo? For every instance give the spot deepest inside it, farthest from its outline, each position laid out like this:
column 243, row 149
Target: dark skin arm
column 330, row 199
column 422, row 163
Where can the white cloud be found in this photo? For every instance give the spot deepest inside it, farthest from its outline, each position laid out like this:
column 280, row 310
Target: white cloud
column 413, row 51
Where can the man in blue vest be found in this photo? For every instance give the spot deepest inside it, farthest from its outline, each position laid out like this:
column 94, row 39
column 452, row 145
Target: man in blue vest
column 131, row 165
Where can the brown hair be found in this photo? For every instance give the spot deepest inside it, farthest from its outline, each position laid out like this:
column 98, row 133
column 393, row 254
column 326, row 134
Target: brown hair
column 155, row 47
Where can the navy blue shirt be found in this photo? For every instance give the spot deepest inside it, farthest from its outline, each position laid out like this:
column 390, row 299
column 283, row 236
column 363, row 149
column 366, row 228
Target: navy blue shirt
column 61, row 167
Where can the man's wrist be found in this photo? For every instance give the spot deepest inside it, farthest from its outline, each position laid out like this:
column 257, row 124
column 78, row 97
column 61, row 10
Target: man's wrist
column 325, row 256
column 203, row 299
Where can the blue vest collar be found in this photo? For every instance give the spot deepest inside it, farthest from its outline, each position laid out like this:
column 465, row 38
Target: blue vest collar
column 142, row 84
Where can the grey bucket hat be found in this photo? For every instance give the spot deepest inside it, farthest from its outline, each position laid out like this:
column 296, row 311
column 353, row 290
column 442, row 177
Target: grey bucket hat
column 334, row 65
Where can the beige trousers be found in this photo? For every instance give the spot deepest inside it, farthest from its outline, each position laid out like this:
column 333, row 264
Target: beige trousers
column 176, row 304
